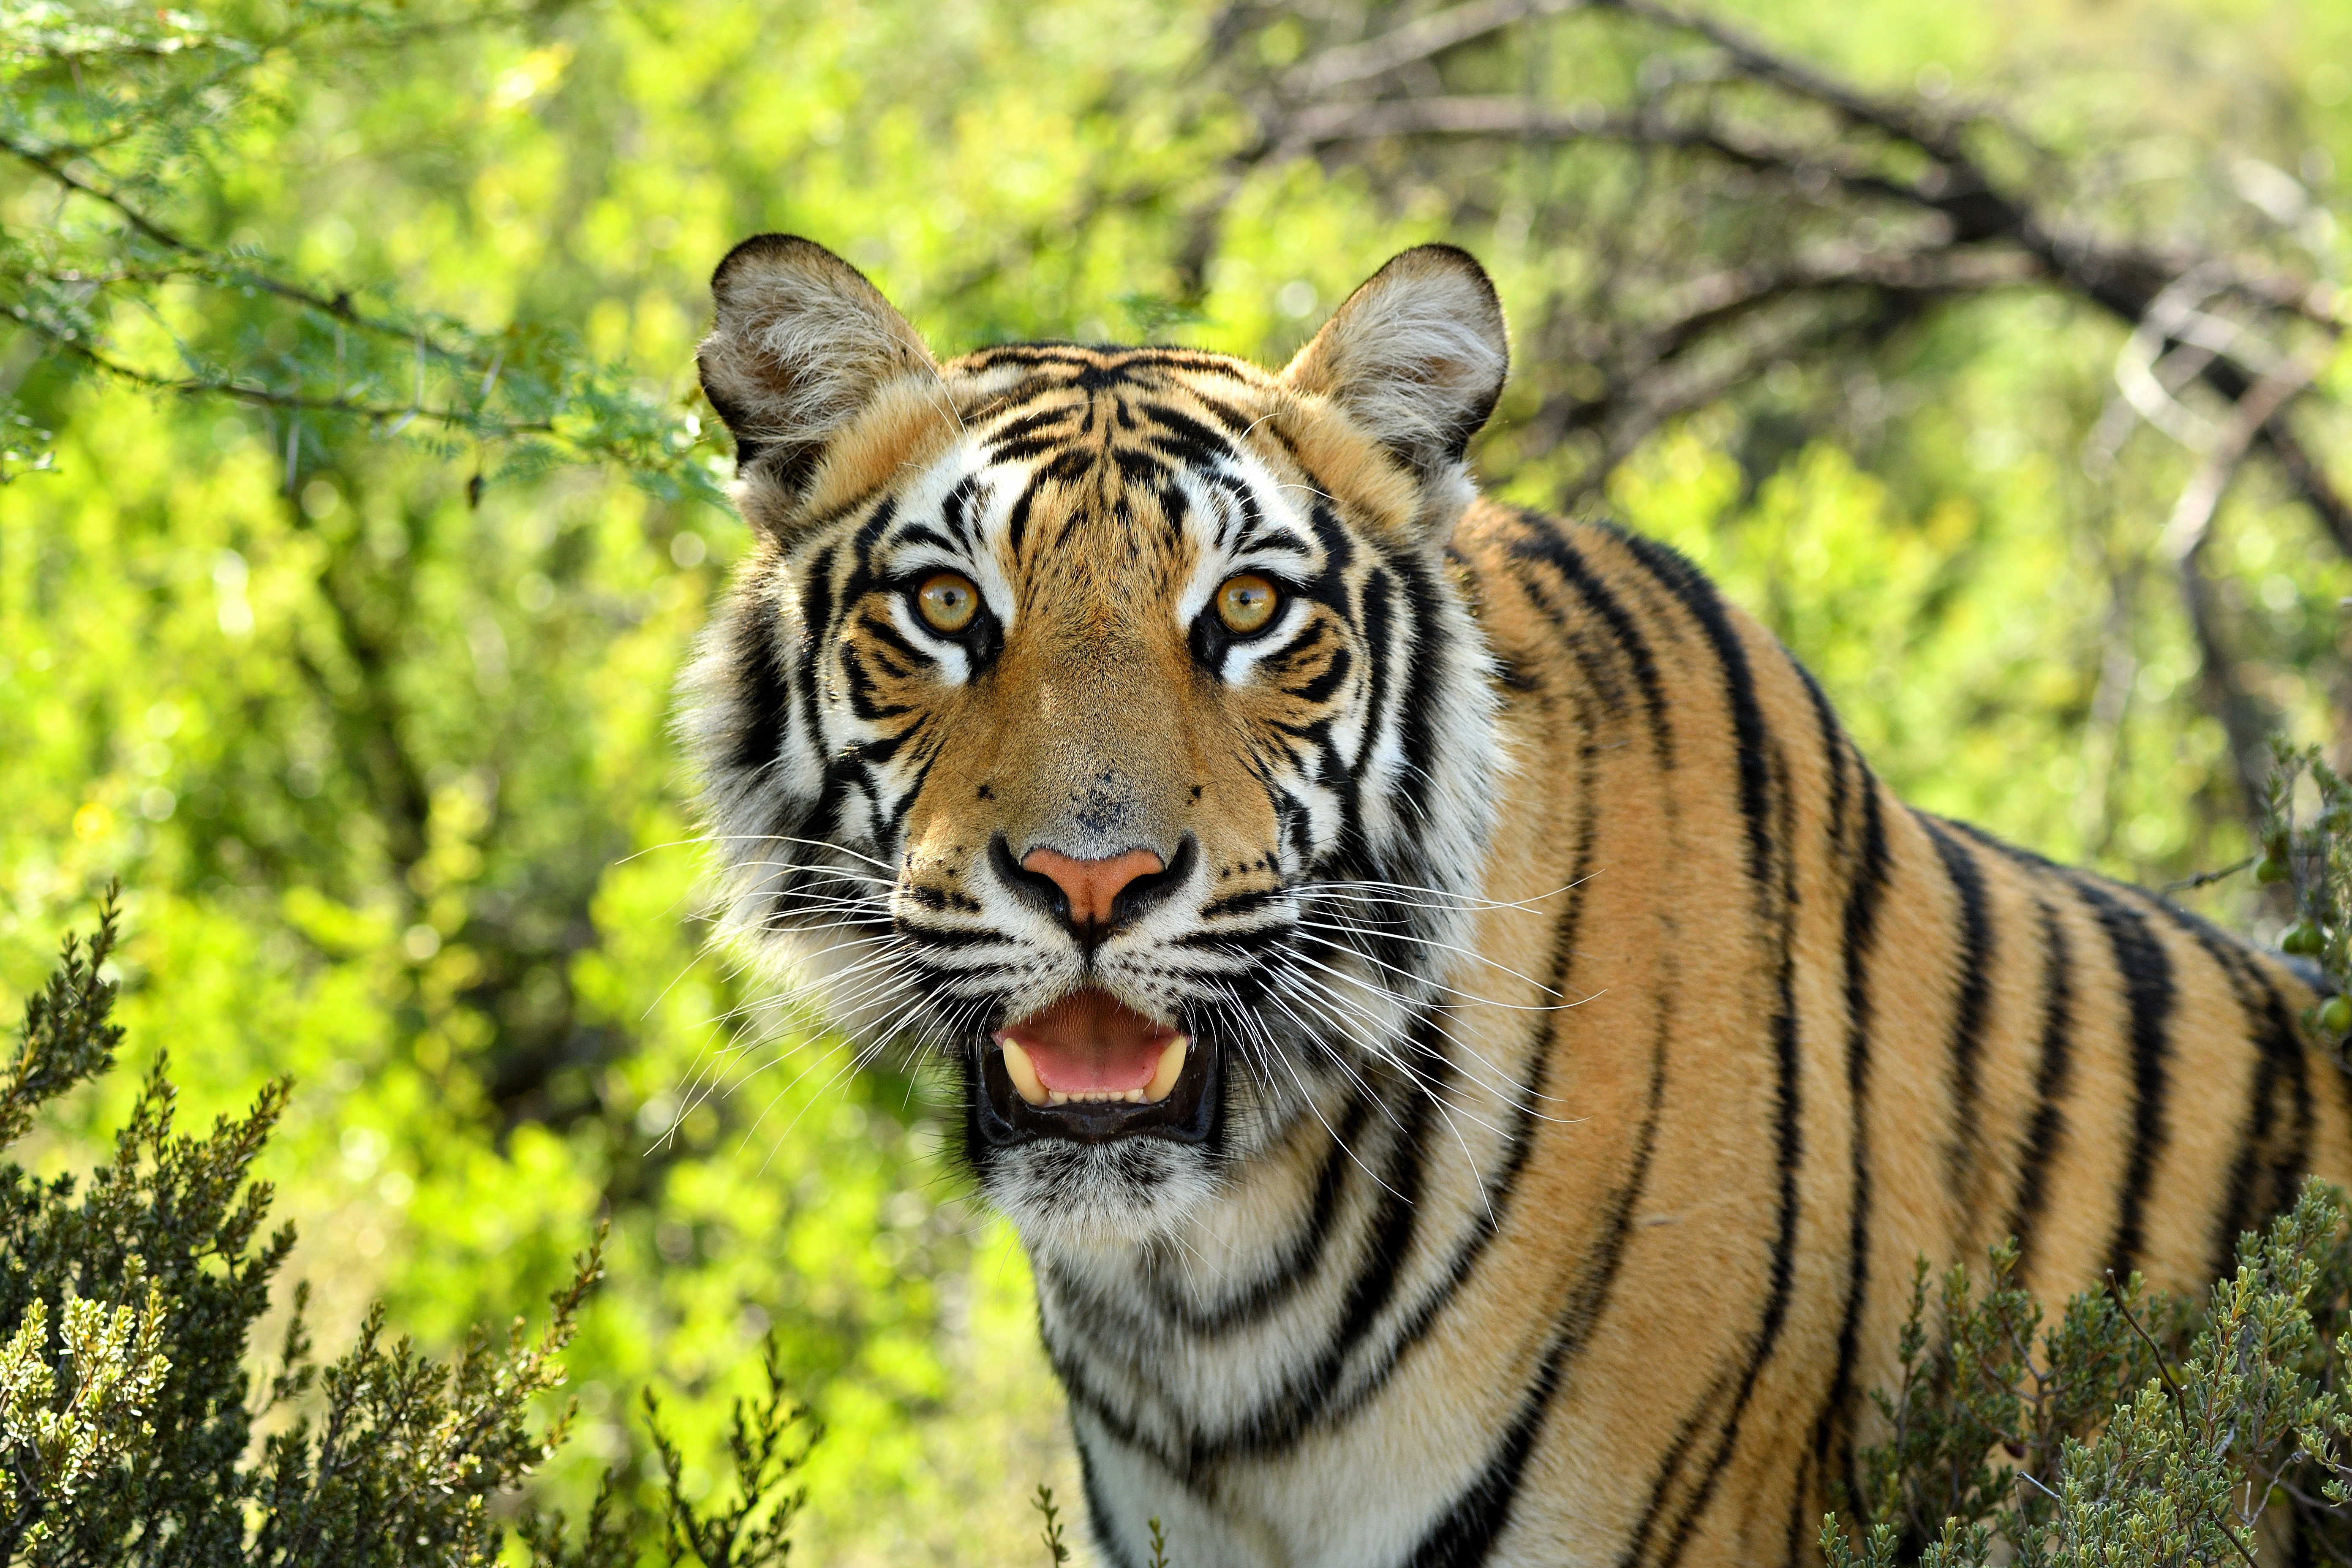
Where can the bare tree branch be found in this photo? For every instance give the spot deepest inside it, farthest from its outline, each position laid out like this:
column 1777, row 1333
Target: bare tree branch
column 2302, row 472
column 1755, row 59
column 1992, row 237
column 1414, row 41
column 2183, row 543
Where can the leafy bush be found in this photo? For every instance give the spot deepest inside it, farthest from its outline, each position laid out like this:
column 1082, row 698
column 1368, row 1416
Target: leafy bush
column 2126, row 1436
column 2138, row 1432
column 125, row 1429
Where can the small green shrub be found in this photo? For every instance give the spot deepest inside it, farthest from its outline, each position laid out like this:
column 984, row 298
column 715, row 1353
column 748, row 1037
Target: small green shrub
column 2129, row 1435
column 2138, row 1432
column 128, row 1429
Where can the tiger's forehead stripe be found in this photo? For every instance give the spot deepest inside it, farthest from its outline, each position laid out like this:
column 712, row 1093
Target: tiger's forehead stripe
column 1155, row 447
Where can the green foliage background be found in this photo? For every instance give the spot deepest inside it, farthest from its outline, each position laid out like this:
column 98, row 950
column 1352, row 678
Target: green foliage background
column 382, row 752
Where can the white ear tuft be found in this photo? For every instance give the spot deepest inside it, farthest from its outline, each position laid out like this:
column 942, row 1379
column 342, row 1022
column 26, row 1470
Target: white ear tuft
column 801, row 344
column 1418, row 355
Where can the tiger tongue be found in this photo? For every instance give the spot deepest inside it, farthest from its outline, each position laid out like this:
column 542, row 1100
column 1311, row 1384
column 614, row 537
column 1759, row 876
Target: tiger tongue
column 1090, row 1043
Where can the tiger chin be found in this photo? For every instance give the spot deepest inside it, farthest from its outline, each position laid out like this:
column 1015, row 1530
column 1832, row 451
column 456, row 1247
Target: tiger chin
column 1469, row 1046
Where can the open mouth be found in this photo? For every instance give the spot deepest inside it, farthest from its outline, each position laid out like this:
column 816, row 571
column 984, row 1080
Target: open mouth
column 1090, row 1068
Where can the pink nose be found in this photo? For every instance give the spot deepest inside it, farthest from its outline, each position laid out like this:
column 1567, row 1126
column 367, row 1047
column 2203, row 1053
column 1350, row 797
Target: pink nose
column 1092, row 886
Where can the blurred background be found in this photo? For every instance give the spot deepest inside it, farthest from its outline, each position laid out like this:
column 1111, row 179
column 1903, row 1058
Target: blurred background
column 358, row 505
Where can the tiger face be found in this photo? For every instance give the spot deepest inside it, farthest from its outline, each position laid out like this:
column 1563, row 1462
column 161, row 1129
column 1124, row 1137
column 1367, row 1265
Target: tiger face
column 1104, row 720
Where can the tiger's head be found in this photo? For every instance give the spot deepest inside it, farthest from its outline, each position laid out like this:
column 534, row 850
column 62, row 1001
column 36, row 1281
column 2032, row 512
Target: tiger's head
column 1103, row 718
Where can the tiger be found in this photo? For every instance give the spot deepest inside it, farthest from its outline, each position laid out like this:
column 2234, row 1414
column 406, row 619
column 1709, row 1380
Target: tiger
column 1469, row 1046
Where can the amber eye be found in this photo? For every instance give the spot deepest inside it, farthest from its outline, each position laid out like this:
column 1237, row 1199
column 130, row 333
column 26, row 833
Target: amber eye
column 1246, row 603
column 948, row 601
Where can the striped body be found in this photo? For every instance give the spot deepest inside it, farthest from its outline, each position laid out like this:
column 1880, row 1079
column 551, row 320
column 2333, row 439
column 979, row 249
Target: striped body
column 1816, row 1034
column 1583, row 1043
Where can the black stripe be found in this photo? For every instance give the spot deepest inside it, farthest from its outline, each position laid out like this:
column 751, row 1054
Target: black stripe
column 2052, row 1078
column 764, row 707
column 1418, row 703
column 2243, row 1208
column 895, row 838
column 1016, row 521
column 1698, row 597
column 1834, row 1424
column 1803, row 1530
column 2147, row 987
column 2267, row 1168
column 1466, row 1533
column 1670, row 1466
column 922, row 534
column 1067, row 466
column 1187, row 439
column 1599, row 1277
column 1319, row 688
column 878, row 629
column 1081, row 1392
column 957, row 509
column 1960, row 1155
column 1376, row 606
column 816, row 621
column 2281, row 1038
column 1860, row 926
column 1791, row 1141
column 1031, row 424
column 1306, row 1395
column 857, row 684
column 1236, row 421
column 1139, row 469
column 1835, row 752
column 1468, row 1530
column 1105, row 1522
column 1542, row 542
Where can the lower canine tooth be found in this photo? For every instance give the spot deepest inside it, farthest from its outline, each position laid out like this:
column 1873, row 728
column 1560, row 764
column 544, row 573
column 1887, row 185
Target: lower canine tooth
column 1163, row 1076
column 1024, row 1074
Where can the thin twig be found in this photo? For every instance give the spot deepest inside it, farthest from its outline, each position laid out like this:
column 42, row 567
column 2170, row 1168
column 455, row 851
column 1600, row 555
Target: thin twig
column 339, row 306
column 2179, row 1402
column 2203, row 879
column 266, row 398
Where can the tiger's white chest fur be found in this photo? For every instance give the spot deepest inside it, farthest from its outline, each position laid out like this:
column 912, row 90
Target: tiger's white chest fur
column 1287, row 1383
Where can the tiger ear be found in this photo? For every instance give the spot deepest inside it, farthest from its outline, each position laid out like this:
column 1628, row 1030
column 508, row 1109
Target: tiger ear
column 801, row 345
column 1417, row 355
